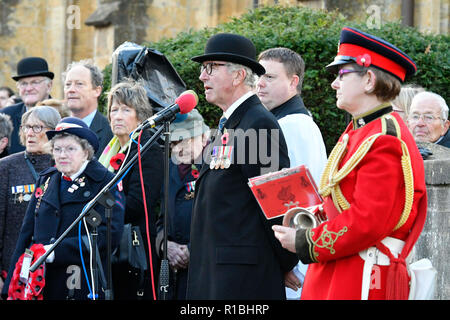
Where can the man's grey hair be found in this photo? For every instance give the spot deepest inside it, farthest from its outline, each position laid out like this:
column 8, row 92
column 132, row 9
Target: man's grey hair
column 96, row 73
column 250, row 78
column 431, row 95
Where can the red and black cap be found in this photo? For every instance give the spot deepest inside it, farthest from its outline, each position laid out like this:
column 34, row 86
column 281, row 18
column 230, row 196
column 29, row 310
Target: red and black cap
column 368, row 50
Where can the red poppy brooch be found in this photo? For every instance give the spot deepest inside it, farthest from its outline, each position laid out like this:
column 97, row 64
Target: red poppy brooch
column 117, row 161
column 195, row 173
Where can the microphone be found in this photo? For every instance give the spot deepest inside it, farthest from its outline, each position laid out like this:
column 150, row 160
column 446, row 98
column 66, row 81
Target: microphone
column 183, row 104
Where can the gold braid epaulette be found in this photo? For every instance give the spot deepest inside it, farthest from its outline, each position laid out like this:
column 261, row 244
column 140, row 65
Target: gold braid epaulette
column 331, row 176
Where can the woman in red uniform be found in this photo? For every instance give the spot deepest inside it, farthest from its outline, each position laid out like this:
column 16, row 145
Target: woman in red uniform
column 373, row 185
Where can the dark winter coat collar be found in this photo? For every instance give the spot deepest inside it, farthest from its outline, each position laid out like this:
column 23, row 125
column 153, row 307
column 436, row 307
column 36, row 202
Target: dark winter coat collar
column 292, row 106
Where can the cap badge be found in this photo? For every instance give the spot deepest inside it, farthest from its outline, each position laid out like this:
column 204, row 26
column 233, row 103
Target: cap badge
column 364, row 60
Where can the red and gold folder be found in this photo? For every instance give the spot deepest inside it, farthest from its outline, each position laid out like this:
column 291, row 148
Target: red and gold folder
column 277, row 192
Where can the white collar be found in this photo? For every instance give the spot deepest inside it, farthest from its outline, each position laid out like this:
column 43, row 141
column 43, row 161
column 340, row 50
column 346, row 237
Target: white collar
column 79, row 172
column 237, row 103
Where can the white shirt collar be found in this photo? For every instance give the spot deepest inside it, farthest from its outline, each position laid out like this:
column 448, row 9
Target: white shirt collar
column 89, row 118
column 237, row 103
column 77, row 174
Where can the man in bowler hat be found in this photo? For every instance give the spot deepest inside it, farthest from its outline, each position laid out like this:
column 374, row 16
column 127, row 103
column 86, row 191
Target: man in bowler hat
column 234, row 255
column 34, row 82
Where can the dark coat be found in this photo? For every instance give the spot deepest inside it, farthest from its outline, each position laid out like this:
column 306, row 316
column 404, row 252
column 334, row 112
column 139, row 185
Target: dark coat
column 445, row 141
column 15, row 195
column 180, row 207
column 234, row 253
column 126, row 284
column 15, row 112
column 180, row 199
column 100, row 125
column 57, row 210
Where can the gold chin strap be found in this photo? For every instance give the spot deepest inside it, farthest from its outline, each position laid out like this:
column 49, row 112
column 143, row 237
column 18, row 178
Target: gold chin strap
column 331, row 176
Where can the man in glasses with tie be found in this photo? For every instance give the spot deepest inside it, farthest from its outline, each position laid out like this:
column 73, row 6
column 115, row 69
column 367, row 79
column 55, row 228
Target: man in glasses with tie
column 233, row 253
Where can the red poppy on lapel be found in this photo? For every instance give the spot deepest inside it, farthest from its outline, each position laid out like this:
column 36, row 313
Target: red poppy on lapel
column 195, row 173
column 117, row 161
column 38, row 193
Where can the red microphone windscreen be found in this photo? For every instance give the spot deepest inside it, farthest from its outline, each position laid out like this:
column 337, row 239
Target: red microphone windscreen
column 187, row 101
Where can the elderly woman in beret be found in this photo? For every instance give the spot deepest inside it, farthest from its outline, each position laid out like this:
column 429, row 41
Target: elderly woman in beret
column 189, row 136
column 60, row 196
column 373, row 185
column 128, row 107
column 19, row 173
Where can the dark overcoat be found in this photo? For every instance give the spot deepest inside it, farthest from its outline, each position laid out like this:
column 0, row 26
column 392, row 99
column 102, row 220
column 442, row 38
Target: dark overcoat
column 15, row 112
column 100, row 125
column 234, row 253
column 58, row 208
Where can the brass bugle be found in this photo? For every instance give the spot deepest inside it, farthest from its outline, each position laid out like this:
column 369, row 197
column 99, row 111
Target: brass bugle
column 302, row 218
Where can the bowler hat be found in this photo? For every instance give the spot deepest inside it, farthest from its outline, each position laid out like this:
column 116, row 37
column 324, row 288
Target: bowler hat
column 368, row 50
column 32, row 66
column 77, row 127
column 188, row 127
column 231, row 48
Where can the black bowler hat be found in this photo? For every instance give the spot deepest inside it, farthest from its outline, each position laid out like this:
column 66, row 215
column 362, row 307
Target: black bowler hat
column 231, row 48
column 31, row 67
column 76, row 127
column 368, row 50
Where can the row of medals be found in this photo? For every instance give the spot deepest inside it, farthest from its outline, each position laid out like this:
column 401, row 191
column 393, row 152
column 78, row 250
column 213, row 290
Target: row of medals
column 222, row 155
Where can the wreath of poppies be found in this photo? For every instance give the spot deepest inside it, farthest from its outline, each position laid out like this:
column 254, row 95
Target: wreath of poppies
column 32, row 289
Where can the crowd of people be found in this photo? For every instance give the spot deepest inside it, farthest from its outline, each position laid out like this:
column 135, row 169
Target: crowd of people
column 58, row 155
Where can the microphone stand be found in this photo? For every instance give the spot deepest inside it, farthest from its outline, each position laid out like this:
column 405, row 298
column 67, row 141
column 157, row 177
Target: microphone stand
column 164, row 270
column 104, row 198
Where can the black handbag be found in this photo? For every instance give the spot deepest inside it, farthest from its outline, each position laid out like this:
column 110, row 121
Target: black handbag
column 131, row 249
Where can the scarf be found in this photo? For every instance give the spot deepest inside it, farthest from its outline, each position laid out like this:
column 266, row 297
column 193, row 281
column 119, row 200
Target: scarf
column 114, row 148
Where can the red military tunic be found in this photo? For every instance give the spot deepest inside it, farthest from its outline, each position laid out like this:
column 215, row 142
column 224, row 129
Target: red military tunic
column 372, row 209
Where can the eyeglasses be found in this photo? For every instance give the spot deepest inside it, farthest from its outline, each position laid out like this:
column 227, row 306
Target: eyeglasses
column 67, row 150
column 36, row 128
column 33, row 83
column 427, row 118
column 209, row 67
column 342, row 72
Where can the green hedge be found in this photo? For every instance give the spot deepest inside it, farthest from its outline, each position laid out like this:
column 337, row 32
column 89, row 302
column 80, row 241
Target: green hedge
column 315, row 35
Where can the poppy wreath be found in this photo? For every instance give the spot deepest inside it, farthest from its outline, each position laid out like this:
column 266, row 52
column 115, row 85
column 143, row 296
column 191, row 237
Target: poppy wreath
column 32, row 289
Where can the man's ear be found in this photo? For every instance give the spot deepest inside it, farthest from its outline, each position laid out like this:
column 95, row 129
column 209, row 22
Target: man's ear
column 3, row 143
column 294, row 81
column 98, row 91
column 239, row 77
column 446, row 125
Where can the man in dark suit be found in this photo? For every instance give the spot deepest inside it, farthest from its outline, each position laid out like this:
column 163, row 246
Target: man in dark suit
column 234, row 254
column 34, row 82
column 82, row 88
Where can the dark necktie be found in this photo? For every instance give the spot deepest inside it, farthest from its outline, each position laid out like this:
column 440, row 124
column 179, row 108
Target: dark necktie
column 222, row 122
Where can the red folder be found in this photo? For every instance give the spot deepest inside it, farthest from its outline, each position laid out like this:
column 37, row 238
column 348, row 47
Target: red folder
column 277, row 192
